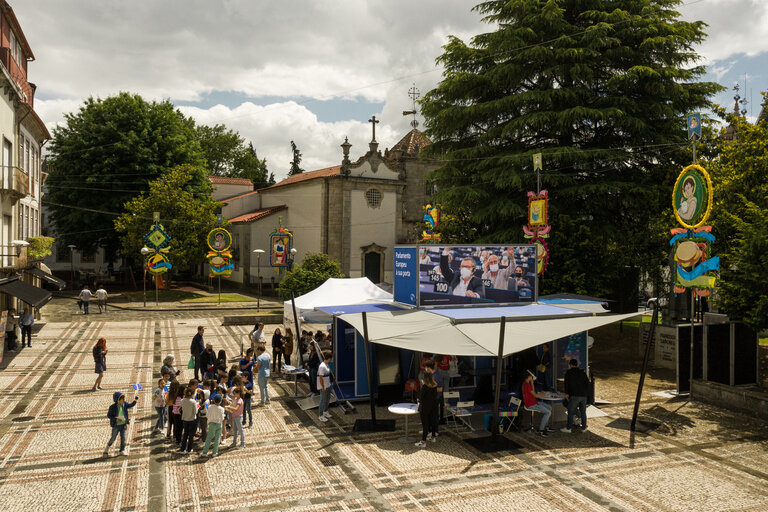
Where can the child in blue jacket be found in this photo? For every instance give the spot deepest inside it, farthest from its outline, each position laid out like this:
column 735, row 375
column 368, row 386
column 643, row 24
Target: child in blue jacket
column 118, row 420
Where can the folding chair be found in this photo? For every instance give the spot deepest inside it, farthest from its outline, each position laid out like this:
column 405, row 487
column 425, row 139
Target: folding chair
column 464, row 410
column 511, row 413
column 450, row 398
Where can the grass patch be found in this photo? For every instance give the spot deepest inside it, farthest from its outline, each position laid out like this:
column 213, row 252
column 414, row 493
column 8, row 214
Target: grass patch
column 764, row 341
column 636, row 323
column 213, row 299
column 163, row 295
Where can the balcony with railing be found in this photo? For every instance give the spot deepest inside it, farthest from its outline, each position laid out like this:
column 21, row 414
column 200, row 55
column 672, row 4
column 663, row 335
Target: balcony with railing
column 14, row 183
column 18, row 75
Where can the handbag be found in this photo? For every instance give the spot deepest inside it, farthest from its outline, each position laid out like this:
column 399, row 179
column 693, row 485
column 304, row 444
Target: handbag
column 542, row 368
column 191, row 363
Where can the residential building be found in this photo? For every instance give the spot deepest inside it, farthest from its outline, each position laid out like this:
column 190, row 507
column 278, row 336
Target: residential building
column 22, row 135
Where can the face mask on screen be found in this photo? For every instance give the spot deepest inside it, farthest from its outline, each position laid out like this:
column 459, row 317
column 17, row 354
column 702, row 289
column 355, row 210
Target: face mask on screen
column 465, row 272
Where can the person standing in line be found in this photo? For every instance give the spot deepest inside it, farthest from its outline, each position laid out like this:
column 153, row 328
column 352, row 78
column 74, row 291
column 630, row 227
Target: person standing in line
column 236, row 410
column 26, row 321
column 257, row 336
column 277, row 350
column 101, row 298
column 118, row 420
column 529, row 399
column 262, row 367
column 10, row 330
column 158, row 401
column 197, row 348
column 324, row 385
column 246, row 367
column 287, row 346
column 208, row 362
column 178, row 425
column 85, row 296
column 576, row 391
column 215, row 420
column 189, row 420
column 428, row 408
column 100, row 360
column 203, row 402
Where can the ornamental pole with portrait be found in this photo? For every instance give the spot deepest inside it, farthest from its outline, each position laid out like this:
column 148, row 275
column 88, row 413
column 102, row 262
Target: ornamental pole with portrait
column 695, row 267
column 219, row 257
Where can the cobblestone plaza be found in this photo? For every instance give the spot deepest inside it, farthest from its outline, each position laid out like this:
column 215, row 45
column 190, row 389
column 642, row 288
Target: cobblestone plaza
column 53, row 430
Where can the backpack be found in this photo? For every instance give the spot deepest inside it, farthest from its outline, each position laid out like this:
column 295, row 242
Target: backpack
column 96, row 354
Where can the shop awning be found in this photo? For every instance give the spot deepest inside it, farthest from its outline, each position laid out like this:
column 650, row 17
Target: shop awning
column 32, row 295
column 47, row 277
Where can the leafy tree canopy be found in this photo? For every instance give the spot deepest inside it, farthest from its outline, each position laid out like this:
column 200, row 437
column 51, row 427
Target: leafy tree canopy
column 740, row 219
column 316, row 269
column 601, row 89
column 228, row 155
column 185, row 215
column 107, row 153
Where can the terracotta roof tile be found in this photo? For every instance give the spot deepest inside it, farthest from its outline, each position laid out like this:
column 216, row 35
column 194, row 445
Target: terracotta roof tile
column 221, row 180
column 305, row 176
column 238, row 196
column 257, row 214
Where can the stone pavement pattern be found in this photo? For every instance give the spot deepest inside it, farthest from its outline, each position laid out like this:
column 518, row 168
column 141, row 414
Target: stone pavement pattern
column 53, row 430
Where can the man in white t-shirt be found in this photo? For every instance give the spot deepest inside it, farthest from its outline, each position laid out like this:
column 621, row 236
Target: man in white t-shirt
column 85, row 296
column 324, row 385
column 101, row 298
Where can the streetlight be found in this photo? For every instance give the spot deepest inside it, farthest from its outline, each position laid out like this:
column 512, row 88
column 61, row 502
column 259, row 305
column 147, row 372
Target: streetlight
column 258, row 252
column 293, row 256
column 72, row 262
column 144, row 252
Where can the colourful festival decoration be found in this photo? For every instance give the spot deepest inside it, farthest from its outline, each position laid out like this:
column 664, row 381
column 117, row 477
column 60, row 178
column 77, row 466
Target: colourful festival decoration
column 157, row 241
column 432, row 220
column 696, row 268
column 280, row 244
column 219, row 257
column 538, row 226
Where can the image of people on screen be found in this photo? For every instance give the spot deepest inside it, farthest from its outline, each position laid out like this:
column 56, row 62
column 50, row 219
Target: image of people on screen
column 464, row 282
column 496, row 276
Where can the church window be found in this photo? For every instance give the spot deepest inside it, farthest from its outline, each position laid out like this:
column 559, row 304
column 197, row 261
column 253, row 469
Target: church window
column 373, row 197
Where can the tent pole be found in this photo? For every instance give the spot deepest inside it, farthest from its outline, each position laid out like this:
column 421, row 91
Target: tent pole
column 651, row 332
column 366, row 344
column 296, row 335
column 499, row 361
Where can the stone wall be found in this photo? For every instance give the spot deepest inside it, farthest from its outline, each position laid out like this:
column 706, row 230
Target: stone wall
column 748, row 400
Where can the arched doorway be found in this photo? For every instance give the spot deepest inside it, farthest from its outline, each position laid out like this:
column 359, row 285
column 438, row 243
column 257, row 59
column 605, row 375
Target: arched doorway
column 372, row 268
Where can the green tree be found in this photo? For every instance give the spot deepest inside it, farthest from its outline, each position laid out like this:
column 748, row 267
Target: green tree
column 185, row 215
column 228, row 155
column 740, row 219
column 600, row 88
column 107, row 153
column 316, row 269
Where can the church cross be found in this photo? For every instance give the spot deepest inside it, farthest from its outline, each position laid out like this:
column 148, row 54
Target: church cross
column 373, row 122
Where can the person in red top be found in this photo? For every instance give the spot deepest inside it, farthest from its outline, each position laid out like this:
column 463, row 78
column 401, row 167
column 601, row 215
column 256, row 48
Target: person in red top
column 529, row 399
column 444, row 369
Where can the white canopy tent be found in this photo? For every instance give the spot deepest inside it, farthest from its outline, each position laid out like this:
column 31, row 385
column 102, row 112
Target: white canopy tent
column 334, row 292
column 433, row 332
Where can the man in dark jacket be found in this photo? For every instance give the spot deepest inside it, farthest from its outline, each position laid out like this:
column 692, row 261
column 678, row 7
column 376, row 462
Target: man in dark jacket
column 196, row 349
column 463, row 283
column 208, row 362
column 576, row 390
column 118, row 420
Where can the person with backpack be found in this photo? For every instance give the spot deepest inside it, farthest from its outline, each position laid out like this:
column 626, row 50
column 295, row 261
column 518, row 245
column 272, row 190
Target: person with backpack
column 576, row 391
column 118, row 420
column 100, row 361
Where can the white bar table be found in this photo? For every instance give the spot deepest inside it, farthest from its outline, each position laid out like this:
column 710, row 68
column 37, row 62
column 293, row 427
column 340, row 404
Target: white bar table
column 405, row 409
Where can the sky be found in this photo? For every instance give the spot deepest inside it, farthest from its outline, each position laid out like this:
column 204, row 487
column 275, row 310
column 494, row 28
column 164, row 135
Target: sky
column 311, row 71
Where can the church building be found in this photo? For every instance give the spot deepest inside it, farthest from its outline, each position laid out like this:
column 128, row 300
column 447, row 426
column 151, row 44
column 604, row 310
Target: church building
column 356, row 212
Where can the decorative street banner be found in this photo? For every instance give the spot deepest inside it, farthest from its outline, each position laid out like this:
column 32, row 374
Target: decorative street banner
column 280, row 243
column 538, row 226
column 432, row 219
column 219, row 257
column 694, row 125
column 692, row 202
column 157, row 241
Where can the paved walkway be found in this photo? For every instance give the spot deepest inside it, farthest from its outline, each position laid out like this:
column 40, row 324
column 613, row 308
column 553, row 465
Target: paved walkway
column 53, row 430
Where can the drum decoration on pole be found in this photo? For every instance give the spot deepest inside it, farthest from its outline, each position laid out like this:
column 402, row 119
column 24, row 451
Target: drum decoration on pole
column 692, row 243
column 219, row 257
column 432, row 220
column 157, row 241
column 538, row 226
column 280, row 245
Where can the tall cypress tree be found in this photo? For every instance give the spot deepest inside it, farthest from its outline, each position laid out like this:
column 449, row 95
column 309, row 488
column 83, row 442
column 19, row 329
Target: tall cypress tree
column 601, row 89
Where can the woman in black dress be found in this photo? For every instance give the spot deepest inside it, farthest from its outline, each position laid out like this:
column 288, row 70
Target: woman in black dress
column 277, row 350
column 428, row 408
column 100, row 360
